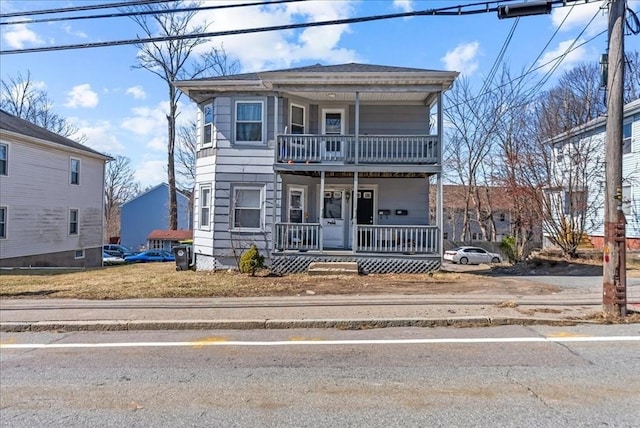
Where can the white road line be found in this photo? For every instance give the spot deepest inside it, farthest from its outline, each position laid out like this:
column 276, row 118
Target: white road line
column 219, row 342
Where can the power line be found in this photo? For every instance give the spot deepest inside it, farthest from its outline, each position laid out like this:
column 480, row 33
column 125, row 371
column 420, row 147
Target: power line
column 147, row 12
column 445, row 11
column 82, row 8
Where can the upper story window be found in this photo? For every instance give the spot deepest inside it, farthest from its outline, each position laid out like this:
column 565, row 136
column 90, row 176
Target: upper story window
column 503, row 217
column 4, row 159
column 297, row 119
column 627, row 203
column 205, row 206
column 207, row 129
column 73, row 221
column 74, row 168
column 626, row 138
column 249, row 121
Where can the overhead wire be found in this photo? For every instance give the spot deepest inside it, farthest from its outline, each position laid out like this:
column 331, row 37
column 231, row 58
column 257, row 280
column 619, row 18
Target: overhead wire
column 147, row 12
column 82, row 8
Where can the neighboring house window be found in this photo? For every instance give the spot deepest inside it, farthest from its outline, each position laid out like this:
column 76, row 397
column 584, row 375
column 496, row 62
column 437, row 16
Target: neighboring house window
column 155, row 244
column 249, row 121
column 575, row 202
column 626, row 138
column 626, row 200
column 297, row 119
column 205, row 206
column 445, row 235
column 73, row 221
column 503, row 217
column 74, row 167
column 4, row 159
column 79, row 254
column 474, row 236
column 207, row 131
column 247, row 207
column 3, row 222
column 296, row 205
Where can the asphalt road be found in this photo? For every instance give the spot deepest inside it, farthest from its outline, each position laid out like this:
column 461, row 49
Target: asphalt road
column 543, row 376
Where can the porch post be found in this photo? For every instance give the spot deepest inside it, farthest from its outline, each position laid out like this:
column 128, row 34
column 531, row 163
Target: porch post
column 439, row 214
column 440, row 129
column 357, row 129
column 321, row 200
column 275, row 129
column 354, row 218
column 274, row 213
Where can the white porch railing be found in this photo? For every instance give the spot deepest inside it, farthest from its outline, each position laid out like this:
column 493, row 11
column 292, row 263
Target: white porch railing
column 369, row 238
column 397, row 239
column 399, row 149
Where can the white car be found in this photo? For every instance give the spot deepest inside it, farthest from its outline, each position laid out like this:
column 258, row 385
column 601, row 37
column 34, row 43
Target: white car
column 471, row 255
column 108, row 259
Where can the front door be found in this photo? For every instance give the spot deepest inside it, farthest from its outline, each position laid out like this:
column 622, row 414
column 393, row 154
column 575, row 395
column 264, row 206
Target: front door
column 364, row 215
column 333, row 218
column 333, row 128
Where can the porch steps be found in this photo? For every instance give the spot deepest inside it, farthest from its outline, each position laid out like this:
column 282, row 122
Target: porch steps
column 333, row 268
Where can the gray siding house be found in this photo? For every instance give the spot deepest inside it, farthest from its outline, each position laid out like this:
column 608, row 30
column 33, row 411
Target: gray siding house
column 51, row 198
column 320, row 163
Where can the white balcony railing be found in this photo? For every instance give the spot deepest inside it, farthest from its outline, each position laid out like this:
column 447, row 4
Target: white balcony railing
column 369, row 238
column 371, row 149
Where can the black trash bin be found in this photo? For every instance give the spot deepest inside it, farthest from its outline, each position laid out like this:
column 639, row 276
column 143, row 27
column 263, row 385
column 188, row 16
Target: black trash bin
column 182, row 257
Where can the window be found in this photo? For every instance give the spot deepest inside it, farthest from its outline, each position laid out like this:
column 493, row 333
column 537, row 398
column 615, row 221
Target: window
column 248, row 121
column 626, row 200
column 78, row 254
column 445, row 235
column 74, row 167
column 297, row 119
column 4, row 159
column 207, row 120
column 247, row 207
column 575, row 202
column 296, row 205
column 205, row 206
column 503, row 217
column 626, row 138
column 474, row 236
column 73, row 221
column 3, row 222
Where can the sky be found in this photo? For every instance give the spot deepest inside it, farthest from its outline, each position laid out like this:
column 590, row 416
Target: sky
column 121, row 110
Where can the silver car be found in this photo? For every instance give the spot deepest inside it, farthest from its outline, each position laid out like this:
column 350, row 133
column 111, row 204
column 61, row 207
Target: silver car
column 471, row 255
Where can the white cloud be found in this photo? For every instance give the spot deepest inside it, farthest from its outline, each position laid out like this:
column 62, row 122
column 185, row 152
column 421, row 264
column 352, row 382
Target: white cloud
column 151, row 172
column 20, row 35
column 137, row 92
column 100, row 136
column 158, row 144
column 578, row 16
column 147, row 121
column 548, row 60
column 82, row 96
column 403, row 5
column 462, row 58
column 279, row 49
column 67, row 29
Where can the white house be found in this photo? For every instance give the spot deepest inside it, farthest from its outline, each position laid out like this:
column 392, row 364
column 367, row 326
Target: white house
column 583, row 187
column 51, row 198
column 320, row 163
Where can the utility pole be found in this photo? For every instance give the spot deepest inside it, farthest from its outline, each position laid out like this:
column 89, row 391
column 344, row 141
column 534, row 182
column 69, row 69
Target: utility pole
column 614, row 281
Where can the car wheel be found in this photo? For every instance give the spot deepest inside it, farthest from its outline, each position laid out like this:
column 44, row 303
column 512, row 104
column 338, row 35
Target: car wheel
column 495, row 260
column 464, row 261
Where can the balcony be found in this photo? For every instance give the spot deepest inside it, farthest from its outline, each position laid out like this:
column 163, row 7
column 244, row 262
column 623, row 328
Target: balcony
column 370, row 149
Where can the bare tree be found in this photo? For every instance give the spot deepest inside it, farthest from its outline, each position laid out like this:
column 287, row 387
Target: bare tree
column 120, row 186
column 174, row 60
column 22, row 97
column 186, row 155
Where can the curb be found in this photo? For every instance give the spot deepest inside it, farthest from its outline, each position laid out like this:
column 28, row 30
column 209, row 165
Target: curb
column 275, row 324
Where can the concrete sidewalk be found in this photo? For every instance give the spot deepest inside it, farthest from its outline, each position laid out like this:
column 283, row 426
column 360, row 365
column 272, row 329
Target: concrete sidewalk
column 308, row 311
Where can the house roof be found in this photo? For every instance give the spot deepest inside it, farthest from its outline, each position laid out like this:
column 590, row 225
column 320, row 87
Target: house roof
column 337, row 82
column 454, row 197
column 171, row 235
column 629, row 109
column 154, row 188
column 16, row 125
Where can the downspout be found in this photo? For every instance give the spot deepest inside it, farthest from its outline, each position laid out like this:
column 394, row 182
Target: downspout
column 439, row 215
column 354, row 198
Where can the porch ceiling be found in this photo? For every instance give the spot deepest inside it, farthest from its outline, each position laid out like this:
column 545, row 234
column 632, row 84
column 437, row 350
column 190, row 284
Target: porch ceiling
column 350, row 97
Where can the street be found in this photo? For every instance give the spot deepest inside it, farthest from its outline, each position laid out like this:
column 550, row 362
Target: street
column 543, row 376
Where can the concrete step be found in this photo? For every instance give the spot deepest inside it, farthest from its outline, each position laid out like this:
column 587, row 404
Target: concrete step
column 333, row 268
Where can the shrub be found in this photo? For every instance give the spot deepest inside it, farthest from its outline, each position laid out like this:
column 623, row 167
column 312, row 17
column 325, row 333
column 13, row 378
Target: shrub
column 251, row 261
column 508, row 247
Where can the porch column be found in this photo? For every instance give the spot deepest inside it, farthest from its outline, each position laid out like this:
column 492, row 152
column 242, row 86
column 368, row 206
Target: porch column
column 274, row 214
column 357, row 130
column 275, row 129
column 354, row 218
column 439, row 214
column 321, row 210
column 440, row 129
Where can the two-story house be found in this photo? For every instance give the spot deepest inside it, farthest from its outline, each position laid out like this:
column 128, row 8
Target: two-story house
column 579, row 178
column 320, row 163
column 51, row 198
